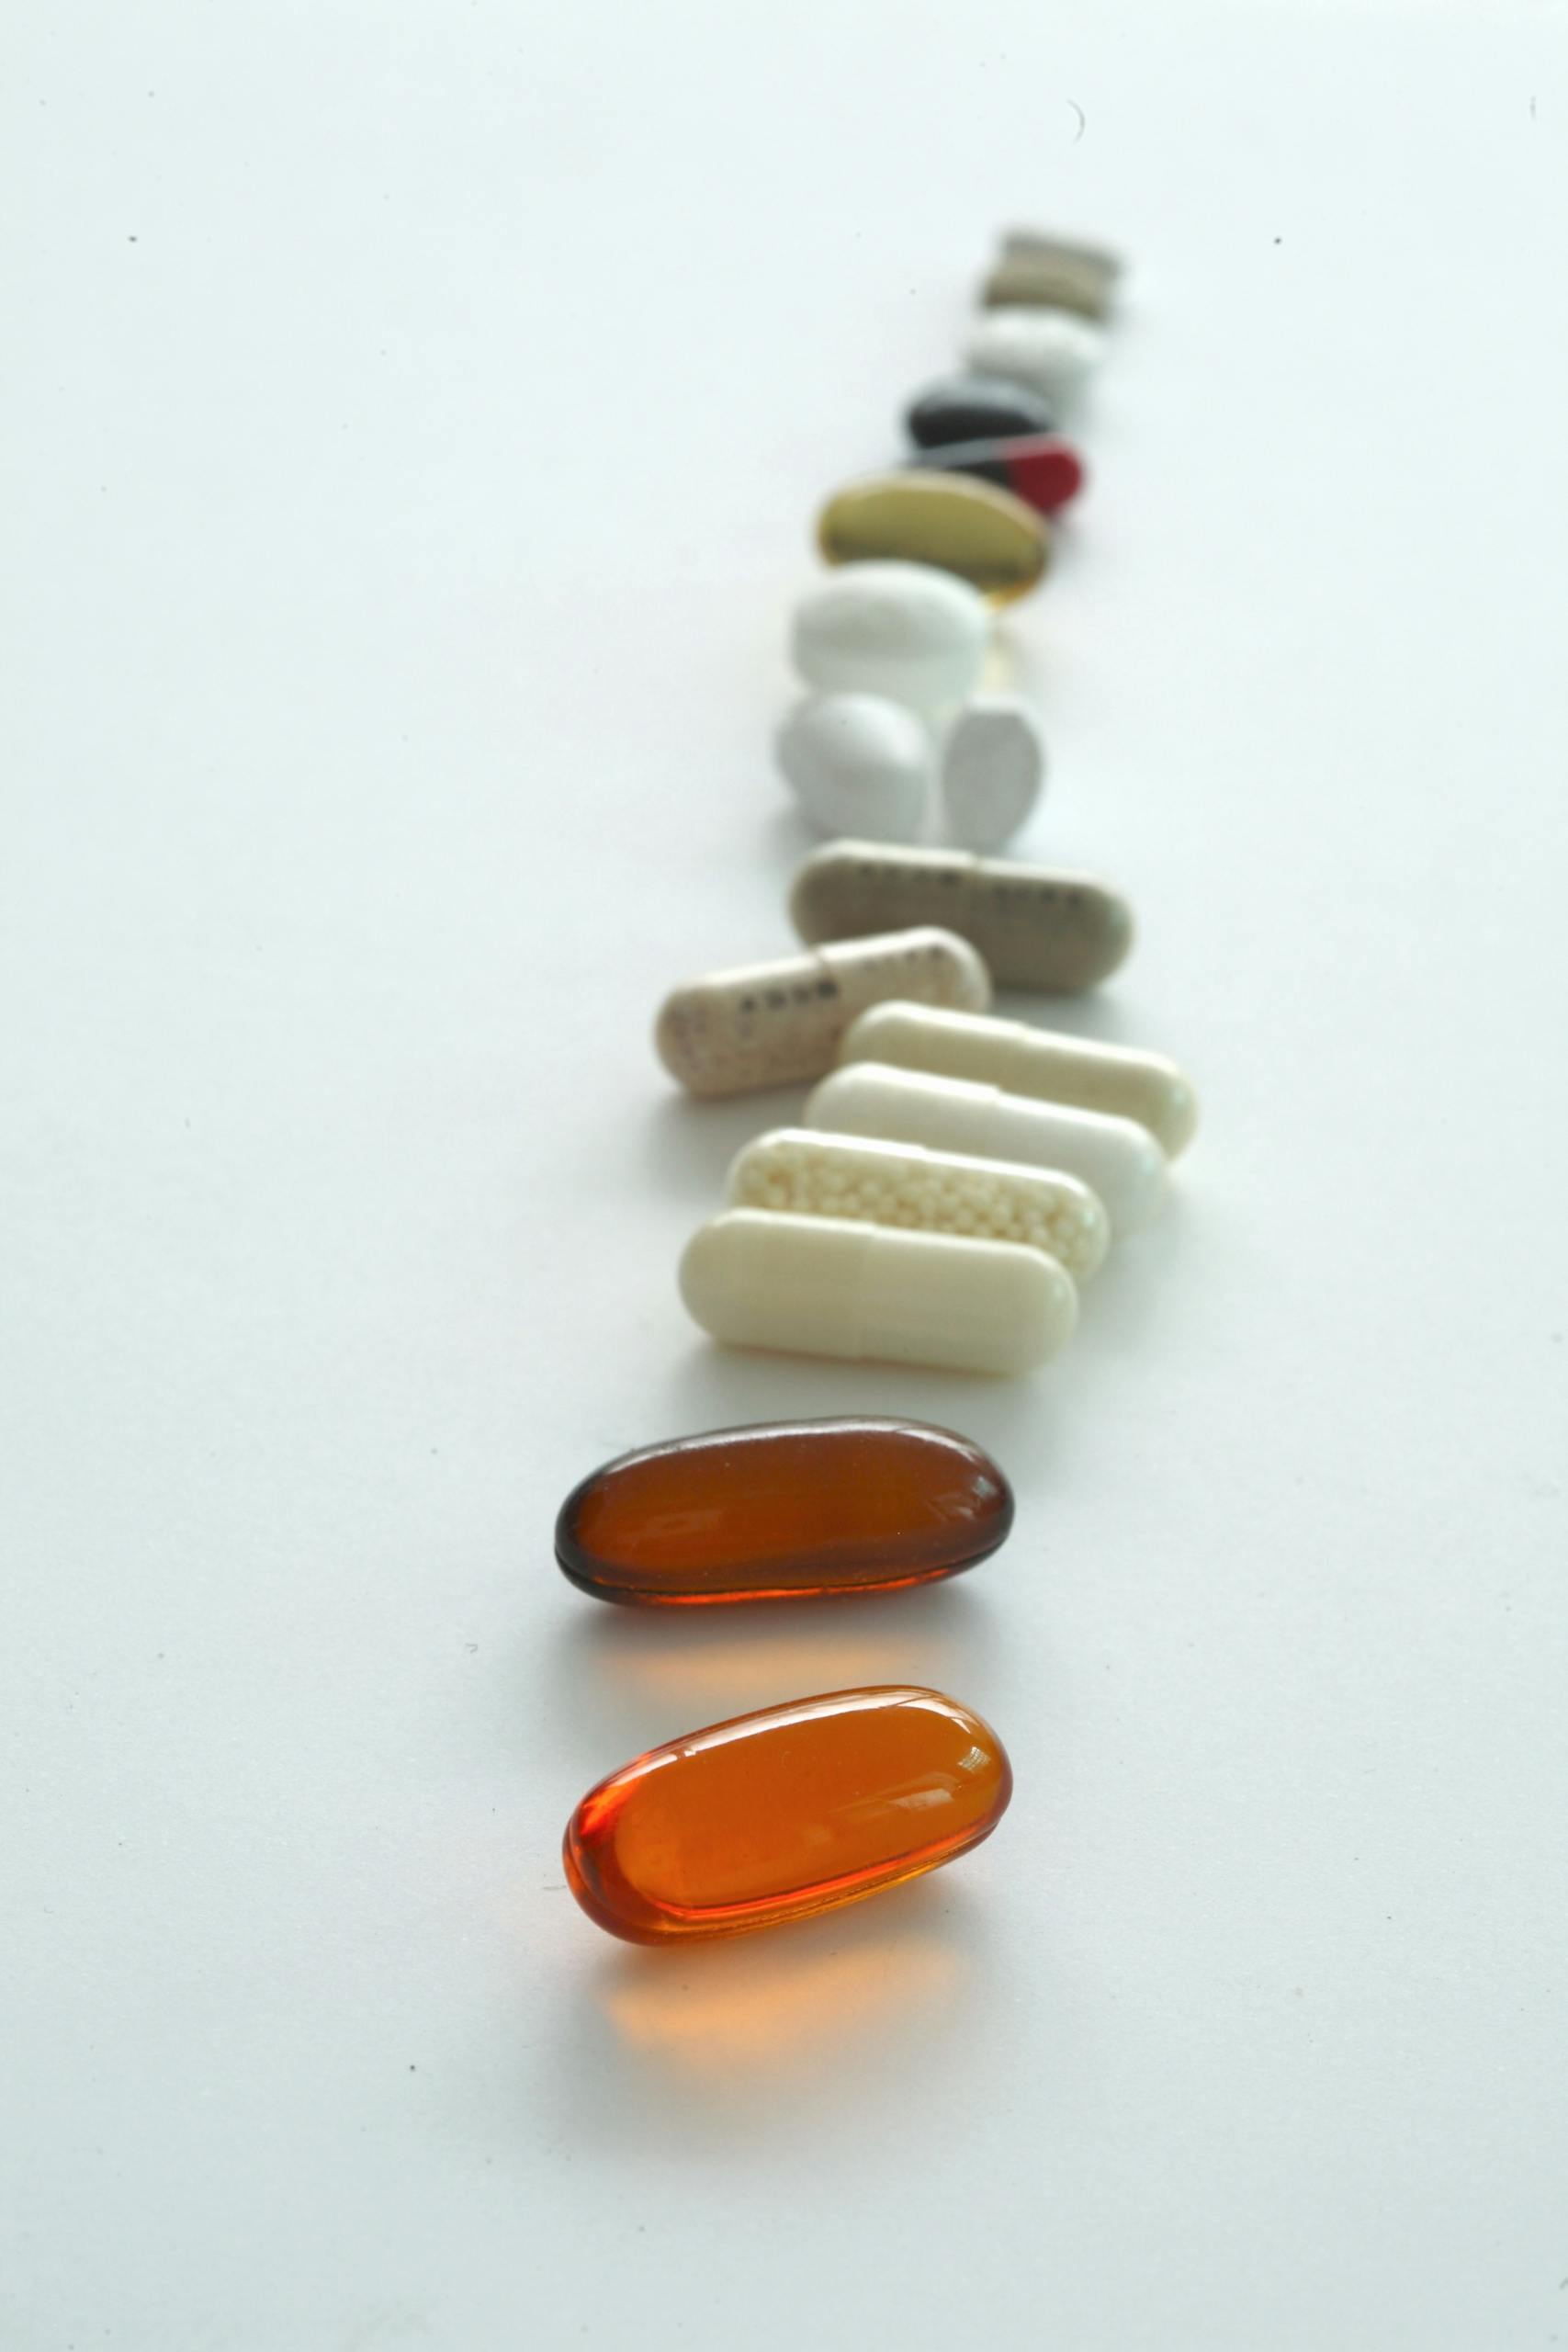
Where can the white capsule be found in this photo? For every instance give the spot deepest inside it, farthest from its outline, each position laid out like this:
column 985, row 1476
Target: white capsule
column 857, row 763
column 1053, row 350
column 993, row 766
column 1038, row 1062
column 803, row 1173
column 1117, row 1159
column 825, row 1286
column 773, row 1024
column 903, row 630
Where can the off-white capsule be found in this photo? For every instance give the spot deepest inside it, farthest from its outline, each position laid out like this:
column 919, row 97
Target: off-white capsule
column 903, row 629
column 822, row 1286
column 1037, row 929
column 796, row 1171
column 1115, row 1157
column 1039, row 1062
column 773, row 1024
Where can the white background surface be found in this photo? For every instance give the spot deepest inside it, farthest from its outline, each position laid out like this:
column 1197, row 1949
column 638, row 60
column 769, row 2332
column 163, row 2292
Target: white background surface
column 415, row 418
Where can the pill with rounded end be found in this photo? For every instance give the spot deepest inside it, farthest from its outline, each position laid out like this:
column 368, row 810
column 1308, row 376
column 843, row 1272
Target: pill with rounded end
column 784, row 1510
column 976, row 408
column 1116, row 1157
column 1045, row 471
column 801, row 1172
column 1052, row 350
column 776, row 1816
column 1055, row 280
column 1039, row 244
column 906, row 629
column 1037, row 929
column 828, row 1286
column 981, row 533
column 773, row 1025
column 993, row 766
column 1039, row 1062
column 857, row 763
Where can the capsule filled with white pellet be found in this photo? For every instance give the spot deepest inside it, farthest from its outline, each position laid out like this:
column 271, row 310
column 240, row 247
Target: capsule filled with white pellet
column 797, row 1171
column 825, row 1286
column 773, row 1025
column 1117, row 1159
column 1038, row 1062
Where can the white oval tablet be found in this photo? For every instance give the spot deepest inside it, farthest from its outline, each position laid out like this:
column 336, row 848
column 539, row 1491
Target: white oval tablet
column 857, row 763
column 796, row 1171
column 1039, row 1062
column 820, row 1286
column 1115, row 1157
column 903, row 630
column 1053, row 350
column 993, row 767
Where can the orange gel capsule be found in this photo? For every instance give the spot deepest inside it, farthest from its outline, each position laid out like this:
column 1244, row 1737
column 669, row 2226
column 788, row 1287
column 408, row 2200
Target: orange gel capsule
column 788, row 1812
column 784, row 1510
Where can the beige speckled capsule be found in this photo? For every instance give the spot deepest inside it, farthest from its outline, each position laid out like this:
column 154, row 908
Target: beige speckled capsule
column 1037, row 1062
column 775, row 1024
column 1059, row 280
column 797, row 1171
column 1035, row 929
column 952, row 521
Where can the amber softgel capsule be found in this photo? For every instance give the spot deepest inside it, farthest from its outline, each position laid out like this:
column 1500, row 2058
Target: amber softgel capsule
column 776, row 1816
column 784, row 1510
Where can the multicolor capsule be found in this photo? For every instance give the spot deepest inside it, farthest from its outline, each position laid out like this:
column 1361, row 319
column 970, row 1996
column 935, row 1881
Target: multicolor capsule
column 777, row 1816
column 1043, row 469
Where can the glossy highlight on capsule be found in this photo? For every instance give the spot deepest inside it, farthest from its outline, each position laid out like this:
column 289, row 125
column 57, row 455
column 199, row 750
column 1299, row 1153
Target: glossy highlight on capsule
column 783, row 1813
column 784, row 1510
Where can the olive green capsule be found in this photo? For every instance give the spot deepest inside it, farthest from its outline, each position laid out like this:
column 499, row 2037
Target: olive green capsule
column 984, row 534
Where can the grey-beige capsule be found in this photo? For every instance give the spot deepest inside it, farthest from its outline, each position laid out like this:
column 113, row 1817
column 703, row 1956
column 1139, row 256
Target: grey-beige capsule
column 779, row 1024
column 1059, row 281
column 1036, row 927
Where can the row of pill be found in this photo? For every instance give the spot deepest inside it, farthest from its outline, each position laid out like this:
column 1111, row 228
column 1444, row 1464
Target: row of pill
column 926, row 1209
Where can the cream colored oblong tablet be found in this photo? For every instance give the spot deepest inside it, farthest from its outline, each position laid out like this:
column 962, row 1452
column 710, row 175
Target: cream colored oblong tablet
column 1117, row 1159
column 1039, row 1062
column 797, row 1171
column 773, row 1024
column 824, row 1286
column 1035, row 928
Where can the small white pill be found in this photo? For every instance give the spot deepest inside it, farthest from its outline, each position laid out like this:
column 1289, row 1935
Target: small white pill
column 772, row 1024
column 1038, row 1062
column 1116, row 1157
column 857, row 763
column 993, row 766
column 796, row 1171
column 1053, row 350
column 903, row 630
column 825, row 1286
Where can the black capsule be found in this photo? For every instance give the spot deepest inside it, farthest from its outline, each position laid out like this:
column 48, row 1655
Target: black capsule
column 976, row 408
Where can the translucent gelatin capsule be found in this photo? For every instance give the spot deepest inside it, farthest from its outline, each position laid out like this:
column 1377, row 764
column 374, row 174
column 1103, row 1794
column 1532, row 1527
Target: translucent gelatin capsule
column 1046, row 471
column 784, row 1510
column 773, row 1024
column 1146, row 1087
column 1037, row 929
column 779, row 1815
column 982, row 534
column 1117, row 1159
column 797, row 1171
column 829, row 1286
